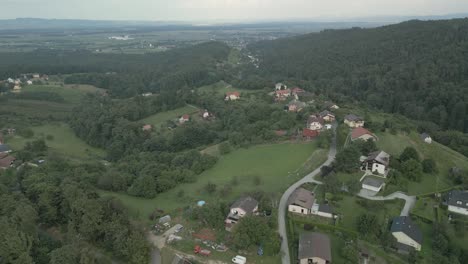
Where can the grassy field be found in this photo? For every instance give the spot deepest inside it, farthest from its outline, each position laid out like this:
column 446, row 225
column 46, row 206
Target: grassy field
column 277, row 166
column 35, row 109
column 222, row 88
column 64, row 142
column 445, row 158
column 159, row 118
column 71, row 93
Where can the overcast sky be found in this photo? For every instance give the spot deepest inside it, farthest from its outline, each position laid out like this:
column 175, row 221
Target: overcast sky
column 190, row 10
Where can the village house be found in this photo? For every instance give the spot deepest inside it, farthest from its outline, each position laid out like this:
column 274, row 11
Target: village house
column 407, row 234
column 207, row 115
column 297, row 91
column 328, row 126
column 147, row 127
column 146, row 94
column 296, row 106
column 232, row 96
column 323, row 210
column 6, row 161
column 4, row 149
column 17, row 88
column 10, row 80
column 281, row 95
column 183, row 119
column 373, row 184
column 36, row 75
column 327, row 116
column 29, row 82
column 362, row 134
column 331, row 106
column 426, row 138
column 315, row 122
column 242, row 207
column 377, row 163
column 314, row 248
column 301, row 201
column 280, row 86
column 457, row 202
column 353, row 121
column 308, row 134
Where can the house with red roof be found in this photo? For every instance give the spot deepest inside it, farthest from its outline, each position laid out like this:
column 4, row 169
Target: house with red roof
column 308, row 134
column 282, row 94
column 232, row 96
column 184, row 118
column 363, row 134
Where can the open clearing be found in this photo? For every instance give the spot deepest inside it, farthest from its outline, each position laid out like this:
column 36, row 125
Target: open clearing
column 64, row 142
column 159, row 118
column 445, row 158
column 71, row 93
column 276, row 166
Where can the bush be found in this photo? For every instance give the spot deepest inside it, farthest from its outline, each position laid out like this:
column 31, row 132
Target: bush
column 429, row 166
column 210, row 188
column 50, row 137
column 224, row 148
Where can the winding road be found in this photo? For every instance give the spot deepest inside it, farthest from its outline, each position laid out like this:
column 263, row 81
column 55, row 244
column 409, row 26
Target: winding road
column 310, row 178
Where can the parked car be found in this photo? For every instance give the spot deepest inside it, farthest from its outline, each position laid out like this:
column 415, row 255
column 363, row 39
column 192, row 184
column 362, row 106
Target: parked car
column 239, row 260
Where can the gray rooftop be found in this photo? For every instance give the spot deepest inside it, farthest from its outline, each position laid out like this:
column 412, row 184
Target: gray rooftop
column 353, row 117
column 325, row 208
column 314, row 245
column 381, row 157
column 424, row 136
column 247, row 204
column 405, row 224
column 374, row 182
column 458, row 198
column 302, row 197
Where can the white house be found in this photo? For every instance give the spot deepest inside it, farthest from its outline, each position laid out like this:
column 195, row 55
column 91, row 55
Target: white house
column 426, row 138
column 280, row 86
column 239, row 209
column 232, row 96
column 457, row 202
column 315, row 123
column 29, row 82
column 373, row 184
column 301, row 201
column 406, row 233
column 377, row 163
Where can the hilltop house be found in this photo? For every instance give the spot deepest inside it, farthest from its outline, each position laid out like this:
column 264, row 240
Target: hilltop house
column 301, row 201
column 457, row 202
column 353, row 121
column 6, row 161
column 377, row 162
column 232, row 96
column 363, row 134
column 296, row 106
column 280, row 86
column 426, row 138
column 315, row 122
column 407, row 234
column 314, row 248
column 242, row 207
column 183, row 119
column 327, row 116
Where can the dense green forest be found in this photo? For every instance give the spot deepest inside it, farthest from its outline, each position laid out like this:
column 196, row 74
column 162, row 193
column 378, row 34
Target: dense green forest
column 418, row 69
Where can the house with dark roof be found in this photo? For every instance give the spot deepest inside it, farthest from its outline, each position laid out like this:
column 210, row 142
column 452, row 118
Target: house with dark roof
column 314, row 248
column 323, row 210
column 296, row 106
column 373, row 184
column 240, row 208
column 377, row 163
column 5, row 148
column 362, row 134
column 407, row 234
column 426, row 138
column 327, row 116
column 301, row 201
column 6, row 161
column 457, row 201
column 353, row 120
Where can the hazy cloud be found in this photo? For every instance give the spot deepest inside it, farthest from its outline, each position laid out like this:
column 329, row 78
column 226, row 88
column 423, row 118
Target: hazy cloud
column 225, row 9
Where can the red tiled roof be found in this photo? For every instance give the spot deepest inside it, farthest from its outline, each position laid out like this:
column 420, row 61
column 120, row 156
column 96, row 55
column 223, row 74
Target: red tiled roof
column 360, row 131
column 233, row 93
column 309, row 133
column 287, row 91
column 297, row 90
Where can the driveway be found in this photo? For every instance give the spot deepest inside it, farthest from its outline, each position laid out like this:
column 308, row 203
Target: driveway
column 409, row 200
column 309, row 178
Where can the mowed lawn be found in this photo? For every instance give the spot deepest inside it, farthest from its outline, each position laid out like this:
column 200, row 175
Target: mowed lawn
column 64, row 142
column 445, row 158
column 159, row 118
column 276, row 166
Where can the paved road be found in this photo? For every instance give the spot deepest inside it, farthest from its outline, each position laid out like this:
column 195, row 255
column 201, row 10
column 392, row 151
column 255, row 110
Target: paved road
column 409, row 200
column 284, row 199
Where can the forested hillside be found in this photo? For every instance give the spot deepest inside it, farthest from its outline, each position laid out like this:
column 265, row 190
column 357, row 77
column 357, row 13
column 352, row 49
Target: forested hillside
column 419, row 69
column 123, row 74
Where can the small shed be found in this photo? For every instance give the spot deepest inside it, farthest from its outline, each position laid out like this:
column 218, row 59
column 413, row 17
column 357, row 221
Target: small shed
column 165, row 219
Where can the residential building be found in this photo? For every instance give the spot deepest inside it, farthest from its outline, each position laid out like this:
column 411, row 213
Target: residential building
column 146, row 94
column 296, row 106
column 327, row 116
column 323, row 210
column 330, row 105
column 426, row 138
column 315, row 122
column 353, row 120
column 407, row 234
column 147, row 127
column 242, row 207
column 457, row 202
column 363, row 134
column 308, row 134
column 183, row 119
column 297, row 91
column 6, row 161
column 377, row 163
column 314, row 248
column 373, row 184
column 17, row 88
column 232, row 96
column 280, row 86
column 29, row 82
column 282, row 94
column 301, row 201
column 328, row 126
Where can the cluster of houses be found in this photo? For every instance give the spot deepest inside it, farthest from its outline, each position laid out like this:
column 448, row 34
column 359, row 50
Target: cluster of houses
column 317, row 123
column 239, row 209
column 26, row 79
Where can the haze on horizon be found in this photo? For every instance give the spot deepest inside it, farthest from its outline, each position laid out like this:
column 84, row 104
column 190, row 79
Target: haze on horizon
column 204, row 10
